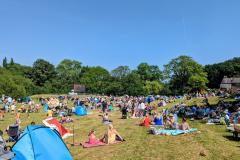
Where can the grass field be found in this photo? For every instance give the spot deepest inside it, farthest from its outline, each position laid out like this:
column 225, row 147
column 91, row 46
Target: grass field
column 213, row 140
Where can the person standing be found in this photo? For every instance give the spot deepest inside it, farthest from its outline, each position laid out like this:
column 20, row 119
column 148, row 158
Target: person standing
column 104, row 106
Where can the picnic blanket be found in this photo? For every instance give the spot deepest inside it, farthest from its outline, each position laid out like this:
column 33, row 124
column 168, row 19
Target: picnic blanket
column 171, row 132
column 87, row 145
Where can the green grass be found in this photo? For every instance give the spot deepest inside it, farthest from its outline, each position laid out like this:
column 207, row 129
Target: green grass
column 141, row 145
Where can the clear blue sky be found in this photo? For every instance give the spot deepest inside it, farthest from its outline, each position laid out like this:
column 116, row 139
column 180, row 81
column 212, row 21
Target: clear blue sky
column 110, row 33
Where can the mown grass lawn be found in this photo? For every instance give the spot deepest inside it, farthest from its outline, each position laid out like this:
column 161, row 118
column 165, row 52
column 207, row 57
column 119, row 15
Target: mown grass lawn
column 213, row 140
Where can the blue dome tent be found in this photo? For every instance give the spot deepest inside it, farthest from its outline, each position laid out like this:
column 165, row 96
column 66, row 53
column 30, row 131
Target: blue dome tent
column 40, row 143
column 80, row 111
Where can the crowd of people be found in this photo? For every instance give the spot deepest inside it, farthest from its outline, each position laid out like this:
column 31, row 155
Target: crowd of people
column 144, row 108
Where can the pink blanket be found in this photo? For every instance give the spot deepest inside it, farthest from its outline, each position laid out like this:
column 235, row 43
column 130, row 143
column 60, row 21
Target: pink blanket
column 87, row 145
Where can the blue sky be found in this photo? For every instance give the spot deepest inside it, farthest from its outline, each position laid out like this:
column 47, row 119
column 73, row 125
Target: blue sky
column 110, row 33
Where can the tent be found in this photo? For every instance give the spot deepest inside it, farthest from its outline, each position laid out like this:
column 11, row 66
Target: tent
column 26, row 99
column 80, row 111
column 54, row 123
column 40, row 143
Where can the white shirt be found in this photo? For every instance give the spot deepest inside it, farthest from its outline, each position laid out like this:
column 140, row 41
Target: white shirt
column 142, row 106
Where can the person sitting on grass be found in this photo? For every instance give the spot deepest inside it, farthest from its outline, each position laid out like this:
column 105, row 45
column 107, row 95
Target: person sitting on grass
column 170, row 122
column 184, row 125
column 158, row 120
column 49, row 113
column 65, row 119
column 92, row 138
column 111, row 136
column 146, row 121
column 106, row 118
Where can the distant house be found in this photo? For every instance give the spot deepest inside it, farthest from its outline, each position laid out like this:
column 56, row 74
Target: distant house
column 230, row 84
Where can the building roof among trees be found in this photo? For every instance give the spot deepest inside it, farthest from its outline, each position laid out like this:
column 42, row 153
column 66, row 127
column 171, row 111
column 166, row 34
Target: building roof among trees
column 232, row 80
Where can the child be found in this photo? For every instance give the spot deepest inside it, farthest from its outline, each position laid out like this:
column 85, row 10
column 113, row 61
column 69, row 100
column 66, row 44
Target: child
column 146, row 121
column 18, row 121
column 92, row 138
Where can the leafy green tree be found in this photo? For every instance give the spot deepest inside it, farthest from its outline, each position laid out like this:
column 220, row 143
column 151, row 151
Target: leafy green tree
column 149, row 72
column 133, row 85
column 183, row 75
column 115, row 87
column 16, row 86
column 198, row 82
column 18, row 69
column 5, row 63
column 95, row 79
column 153, row 87
column 216, row 72
column 11, row 62
column 42, row 71
column 121, row 71
column 68, row 72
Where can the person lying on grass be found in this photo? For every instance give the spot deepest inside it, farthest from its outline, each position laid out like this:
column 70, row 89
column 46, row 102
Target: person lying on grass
column 184, row 125
column 92, row 138
column 146, row 121
column 111, row 136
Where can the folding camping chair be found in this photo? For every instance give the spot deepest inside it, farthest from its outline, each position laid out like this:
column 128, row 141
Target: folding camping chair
column 5, row 151
column 5, row 154
column 13, row 133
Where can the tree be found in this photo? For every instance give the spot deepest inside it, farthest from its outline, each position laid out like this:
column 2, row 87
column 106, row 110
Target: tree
column 11, row 62
column 95, row 79
column 153, row 87
column 149, row 72
column 15, row 86
column 121, row 72
column 183, row 75
column 5, row 63
column 42, row 71
column 68, row 72
column 133, row 85
column 216, row 72
column 69, row 68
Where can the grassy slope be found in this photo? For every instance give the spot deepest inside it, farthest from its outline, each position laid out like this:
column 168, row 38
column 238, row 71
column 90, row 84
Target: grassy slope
column 140, row 145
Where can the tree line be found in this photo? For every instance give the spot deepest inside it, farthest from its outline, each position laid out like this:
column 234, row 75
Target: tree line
column 181, row 75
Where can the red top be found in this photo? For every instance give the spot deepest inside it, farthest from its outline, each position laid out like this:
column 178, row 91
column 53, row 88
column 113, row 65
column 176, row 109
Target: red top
column 146, row 121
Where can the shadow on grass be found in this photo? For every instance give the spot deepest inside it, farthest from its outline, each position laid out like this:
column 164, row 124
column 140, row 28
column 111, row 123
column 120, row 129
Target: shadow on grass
column 231, row 138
